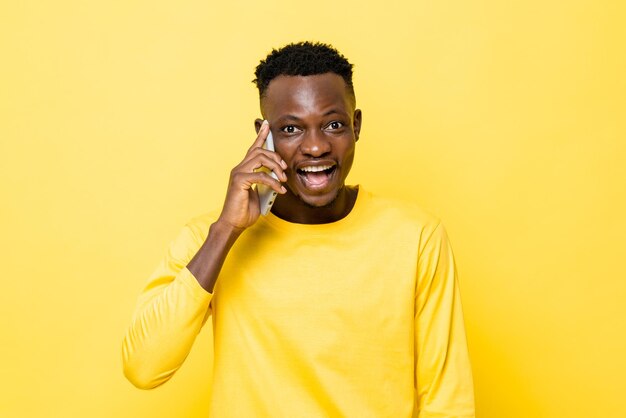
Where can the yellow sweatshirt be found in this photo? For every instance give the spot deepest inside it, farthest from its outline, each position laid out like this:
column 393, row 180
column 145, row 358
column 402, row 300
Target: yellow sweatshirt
column 357, row 318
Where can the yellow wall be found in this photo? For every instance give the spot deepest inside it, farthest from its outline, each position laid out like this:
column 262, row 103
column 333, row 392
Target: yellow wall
column 121, row 120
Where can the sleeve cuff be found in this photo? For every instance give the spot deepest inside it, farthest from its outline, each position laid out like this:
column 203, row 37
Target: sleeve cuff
column 189, row 281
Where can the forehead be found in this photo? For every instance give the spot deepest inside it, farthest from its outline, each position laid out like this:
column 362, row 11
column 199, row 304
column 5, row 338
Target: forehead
column 305, row 95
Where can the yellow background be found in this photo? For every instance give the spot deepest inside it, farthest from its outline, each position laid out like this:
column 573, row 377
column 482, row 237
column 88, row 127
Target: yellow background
column 120, row 120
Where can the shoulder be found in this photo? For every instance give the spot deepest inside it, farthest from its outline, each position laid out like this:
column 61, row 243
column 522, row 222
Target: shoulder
column 403, row 212
column 401, row 220
column 198, row 226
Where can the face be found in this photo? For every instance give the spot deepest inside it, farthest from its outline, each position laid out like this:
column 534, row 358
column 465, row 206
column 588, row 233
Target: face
column 315, row 128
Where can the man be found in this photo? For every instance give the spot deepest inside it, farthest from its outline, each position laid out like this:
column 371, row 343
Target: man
column 337, row 303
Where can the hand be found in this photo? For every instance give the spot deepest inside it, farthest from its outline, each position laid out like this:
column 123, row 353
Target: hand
column 241, row 206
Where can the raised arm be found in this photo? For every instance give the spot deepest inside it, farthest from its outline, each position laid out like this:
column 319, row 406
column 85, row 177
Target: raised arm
column 442, row 368
column 175, row 304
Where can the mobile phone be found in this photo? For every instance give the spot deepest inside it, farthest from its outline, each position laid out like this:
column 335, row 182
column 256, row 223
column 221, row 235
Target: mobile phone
column 267, row 195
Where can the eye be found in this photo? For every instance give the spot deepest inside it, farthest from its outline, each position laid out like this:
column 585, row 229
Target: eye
column 290, row 129
column 335, row 125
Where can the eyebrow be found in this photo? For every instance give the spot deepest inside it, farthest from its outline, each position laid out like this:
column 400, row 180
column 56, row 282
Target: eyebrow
column 330, row 112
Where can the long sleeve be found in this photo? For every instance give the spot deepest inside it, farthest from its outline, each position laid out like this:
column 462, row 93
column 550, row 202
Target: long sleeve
column 170, row 312
column 442, row 367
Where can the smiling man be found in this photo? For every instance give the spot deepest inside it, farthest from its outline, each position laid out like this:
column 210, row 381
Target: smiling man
column 338, row 303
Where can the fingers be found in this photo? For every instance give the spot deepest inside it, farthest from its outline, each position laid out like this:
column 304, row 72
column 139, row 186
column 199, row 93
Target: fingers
column 259, row 177
column 257, row 156
column 248, row 172
column 267, row 159
column 261, row 136
column 241, row 206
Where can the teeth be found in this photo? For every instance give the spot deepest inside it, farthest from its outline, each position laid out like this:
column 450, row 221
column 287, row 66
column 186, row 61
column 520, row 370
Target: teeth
column 315, row 169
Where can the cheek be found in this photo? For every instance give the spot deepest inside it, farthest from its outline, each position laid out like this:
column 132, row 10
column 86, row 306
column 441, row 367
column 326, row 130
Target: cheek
column 283, row 151
column 346, row 163
column 287, row 154
column 348, row 153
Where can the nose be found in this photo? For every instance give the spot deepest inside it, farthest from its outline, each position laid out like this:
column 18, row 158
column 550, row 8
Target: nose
column 314, row 144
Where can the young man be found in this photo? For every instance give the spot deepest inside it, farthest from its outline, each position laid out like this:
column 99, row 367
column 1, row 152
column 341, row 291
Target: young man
column 337, row 303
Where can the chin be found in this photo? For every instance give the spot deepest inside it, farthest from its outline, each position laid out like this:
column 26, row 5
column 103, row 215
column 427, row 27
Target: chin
column 319, row 202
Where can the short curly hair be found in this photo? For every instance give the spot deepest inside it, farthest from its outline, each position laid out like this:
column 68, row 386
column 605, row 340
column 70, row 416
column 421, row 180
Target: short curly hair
column 303, row 58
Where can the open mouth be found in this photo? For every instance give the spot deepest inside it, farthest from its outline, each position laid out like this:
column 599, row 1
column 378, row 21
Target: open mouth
column 317, row 177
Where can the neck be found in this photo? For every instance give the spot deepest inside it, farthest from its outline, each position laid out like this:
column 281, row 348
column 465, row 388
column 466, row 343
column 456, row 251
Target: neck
column 291, row 208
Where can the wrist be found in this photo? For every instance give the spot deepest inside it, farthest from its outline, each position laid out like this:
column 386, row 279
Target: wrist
column 207, row 262
column 225, row 229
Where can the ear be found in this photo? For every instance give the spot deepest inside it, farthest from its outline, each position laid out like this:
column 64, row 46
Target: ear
column 356, row 123
column 257, row 124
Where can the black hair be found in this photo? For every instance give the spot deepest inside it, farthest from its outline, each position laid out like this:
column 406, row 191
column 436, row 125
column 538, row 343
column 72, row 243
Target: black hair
column 302, row 58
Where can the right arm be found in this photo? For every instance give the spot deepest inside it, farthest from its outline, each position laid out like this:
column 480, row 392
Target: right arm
column 175, row 304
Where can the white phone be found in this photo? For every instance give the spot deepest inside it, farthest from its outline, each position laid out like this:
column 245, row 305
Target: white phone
column 267, row 195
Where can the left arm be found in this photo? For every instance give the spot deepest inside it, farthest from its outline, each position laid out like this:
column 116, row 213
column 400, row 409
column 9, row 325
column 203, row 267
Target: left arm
column 443, row 372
